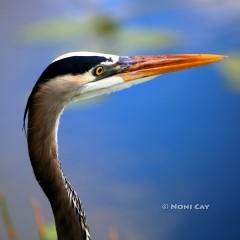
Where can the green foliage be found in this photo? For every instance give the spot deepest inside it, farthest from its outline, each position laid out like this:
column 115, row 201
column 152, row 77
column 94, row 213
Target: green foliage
column 98, row 33
column 4, row 211
column 50, row 232
column 231, row 68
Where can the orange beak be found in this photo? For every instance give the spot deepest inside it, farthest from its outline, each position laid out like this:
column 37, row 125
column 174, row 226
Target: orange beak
column 148, row 66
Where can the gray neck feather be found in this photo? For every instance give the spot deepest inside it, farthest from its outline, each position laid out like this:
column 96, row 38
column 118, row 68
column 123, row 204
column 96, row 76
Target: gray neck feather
column 42, row 144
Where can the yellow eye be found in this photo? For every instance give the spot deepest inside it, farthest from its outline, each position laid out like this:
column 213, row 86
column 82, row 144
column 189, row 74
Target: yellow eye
column 99, row 70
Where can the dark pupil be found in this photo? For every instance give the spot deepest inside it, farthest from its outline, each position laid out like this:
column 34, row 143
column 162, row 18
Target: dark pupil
column 99, row 70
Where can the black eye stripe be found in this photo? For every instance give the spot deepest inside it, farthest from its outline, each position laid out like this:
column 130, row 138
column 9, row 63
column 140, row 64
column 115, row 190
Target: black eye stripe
column 72, row 65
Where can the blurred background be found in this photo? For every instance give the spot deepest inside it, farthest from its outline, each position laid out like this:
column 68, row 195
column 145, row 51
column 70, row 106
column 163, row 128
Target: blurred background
column 171, row 140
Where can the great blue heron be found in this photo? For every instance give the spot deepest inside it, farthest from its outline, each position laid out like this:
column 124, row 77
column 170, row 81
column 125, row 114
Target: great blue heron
column 73, row 77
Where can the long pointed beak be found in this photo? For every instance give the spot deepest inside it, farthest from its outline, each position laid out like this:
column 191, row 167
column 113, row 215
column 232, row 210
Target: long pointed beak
column 147, row 66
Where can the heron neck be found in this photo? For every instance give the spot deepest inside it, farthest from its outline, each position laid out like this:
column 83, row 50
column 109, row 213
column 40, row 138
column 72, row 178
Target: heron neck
column 43, row 152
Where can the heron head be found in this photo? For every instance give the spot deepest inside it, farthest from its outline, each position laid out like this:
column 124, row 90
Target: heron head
column 83, row 75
